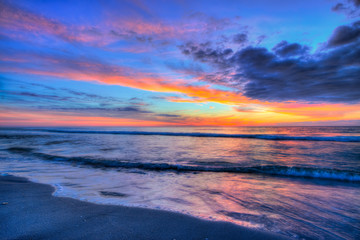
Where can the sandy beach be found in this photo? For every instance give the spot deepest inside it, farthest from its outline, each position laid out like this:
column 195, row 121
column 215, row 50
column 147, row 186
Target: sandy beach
column 29, row 211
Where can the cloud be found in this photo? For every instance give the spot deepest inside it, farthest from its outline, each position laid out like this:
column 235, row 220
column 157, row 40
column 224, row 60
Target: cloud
column 74, row 105
column 285, row 49
column 159, row 34
column 28, row 25
column 289, row 72
column 36, row 95
column 104, row 110
column 246, row 109
column 91, row 96
column 327, row 77
column 168, row 115
column 351, row 8
column 14, row 117
column 16, row 21
column 54, row 94
column 240, row 38
column 82, row 68
column 204, row 52
column 345, row 34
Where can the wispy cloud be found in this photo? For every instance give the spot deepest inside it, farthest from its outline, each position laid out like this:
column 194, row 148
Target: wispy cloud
column 85, row 69
column 16, row 21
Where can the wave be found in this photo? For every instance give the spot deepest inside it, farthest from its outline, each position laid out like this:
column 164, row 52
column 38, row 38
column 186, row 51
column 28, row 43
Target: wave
column 304, row 172
column 219, row 135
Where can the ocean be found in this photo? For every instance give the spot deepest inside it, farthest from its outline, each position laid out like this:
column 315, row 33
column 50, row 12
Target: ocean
column 301, row 182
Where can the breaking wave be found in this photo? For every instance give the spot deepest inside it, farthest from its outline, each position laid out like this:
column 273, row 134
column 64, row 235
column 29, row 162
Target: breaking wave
column 304, row 172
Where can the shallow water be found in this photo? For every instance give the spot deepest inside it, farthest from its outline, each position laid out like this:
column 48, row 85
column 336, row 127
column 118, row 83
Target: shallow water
column 301, row 182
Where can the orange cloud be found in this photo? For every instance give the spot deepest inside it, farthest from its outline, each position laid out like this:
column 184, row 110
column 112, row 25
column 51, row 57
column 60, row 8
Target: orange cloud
column 28, row 118
column 203, row 92
column 53, row 118
column 35, row 118
column 323, row 111
column 266, row 113
column 246, row 112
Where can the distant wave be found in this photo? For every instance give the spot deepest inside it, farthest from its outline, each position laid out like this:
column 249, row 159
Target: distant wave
column 304, row 172
column 220, row 135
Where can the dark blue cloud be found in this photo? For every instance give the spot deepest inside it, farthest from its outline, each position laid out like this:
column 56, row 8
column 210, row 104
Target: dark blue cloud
column 102, row 109
column 285, row 49
column 345, row 34
column 351, row 8
column 327, row 77
column 204, row 52
column 240, row 38
column 169, row 115
column 289, row 72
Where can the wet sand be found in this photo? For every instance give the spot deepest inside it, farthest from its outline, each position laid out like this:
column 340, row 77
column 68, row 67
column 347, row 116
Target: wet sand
column 29, row 211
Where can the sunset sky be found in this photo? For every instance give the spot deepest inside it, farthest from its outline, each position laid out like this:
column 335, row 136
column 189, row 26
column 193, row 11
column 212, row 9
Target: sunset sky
column 169, row 63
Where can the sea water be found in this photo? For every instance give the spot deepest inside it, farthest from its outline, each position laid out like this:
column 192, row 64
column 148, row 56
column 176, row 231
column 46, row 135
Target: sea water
column 301, row 182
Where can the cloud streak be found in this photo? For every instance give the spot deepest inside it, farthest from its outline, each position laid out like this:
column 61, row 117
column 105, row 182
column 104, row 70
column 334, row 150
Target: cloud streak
column 87, row 69
column 16, row 21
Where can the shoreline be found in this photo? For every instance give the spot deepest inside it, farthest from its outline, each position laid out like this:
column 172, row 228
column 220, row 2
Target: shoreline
column 29, row 211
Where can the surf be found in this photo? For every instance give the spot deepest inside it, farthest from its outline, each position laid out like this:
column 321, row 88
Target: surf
column 276, row 170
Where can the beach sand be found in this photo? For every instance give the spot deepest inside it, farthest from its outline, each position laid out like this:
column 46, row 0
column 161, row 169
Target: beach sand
column 29, row 211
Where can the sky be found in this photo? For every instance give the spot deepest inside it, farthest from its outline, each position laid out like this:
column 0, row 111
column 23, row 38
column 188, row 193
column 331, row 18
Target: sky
column 179, row 63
